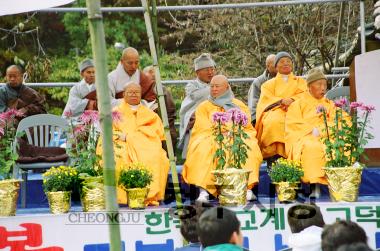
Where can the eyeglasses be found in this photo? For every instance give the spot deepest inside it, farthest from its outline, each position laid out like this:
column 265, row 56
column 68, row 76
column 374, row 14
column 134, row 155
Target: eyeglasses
column 133, row 93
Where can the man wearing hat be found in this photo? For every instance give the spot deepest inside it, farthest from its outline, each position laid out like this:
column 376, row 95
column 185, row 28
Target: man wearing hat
column 304, row 127
column 197, row 91
column 82, row 96
column 276, row 96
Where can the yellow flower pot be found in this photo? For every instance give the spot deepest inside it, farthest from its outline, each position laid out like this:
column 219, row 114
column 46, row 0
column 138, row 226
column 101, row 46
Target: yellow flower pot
column 286, row 191
column 93, row 195
column 344, row 182
column 59, row 202
column 9, row 190
column 232, row 186
column 136, row 197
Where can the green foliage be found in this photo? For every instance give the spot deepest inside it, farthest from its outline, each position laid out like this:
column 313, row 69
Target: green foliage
column 8, row 122
column 62, row 178
column 135, row 176
column 345, row 136
column 285, row 170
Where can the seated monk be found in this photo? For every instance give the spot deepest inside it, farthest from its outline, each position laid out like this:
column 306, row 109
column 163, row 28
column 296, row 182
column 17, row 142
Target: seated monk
column 304, row 127
column 202, row 146
column 138, row 137
column 16, row 95
column 82, row 95
column 276, row 96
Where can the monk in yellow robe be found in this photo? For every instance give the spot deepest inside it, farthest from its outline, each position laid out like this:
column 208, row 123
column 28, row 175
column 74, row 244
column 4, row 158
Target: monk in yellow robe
column 304, row 126
column 138, row 137
column 202, row 145
column 276, row 96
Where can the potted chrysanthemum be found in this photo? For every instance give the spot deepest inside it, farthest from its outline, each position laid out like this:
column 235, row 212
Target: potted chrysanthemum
column 58, row 183
column 344, row 138
column 230, row 156
column 135, row 180
column 9, row 188
column 286, row 175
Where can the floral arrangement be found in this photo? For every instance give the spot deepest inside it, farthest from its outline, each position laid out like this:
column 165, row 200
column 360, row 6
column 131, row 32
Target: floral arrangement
column 135, row 176
column 284, row 170
column 8, row 123
column 346, row 136
column 62, row 178
column 230, row 137
column 82, row 143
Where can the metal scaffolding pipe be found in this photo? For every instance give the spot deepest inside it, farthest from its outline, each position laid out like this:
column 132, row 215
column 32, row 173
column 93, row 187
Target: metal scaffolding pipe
column 362, row 26
column 198, row 7
column 169, row 82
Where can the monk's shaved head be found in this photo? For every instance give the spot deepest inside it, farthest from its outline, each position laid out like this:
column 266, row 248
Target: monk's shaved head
column 130, row 60
column 16, row 68
column 132, row 93
column 132, row 85
column 130, row 51
column 14, row 75
column 218, row 85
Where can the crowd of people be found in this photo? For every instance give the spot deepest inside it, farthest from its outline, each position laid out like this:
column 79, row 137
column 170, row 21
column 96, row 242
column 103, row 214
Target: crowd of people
column 218, row 228
column 281, row 110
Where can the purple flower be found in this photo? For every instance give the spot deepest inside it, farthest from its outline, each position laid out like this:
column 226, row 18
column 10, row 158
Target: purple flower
column 79, row 129
column 341, row 102
column 238, row 117
column 321, row 108
column 356, row 105
column 221, row 117
column 116, row 116
column 68, row 114
column 89, row 117
column 367, row 108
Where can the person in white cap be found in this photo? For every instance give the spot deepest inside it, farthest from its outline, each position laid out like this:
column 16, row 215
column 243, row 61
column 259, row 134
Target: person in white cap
column 197, row 91
column 82, row 95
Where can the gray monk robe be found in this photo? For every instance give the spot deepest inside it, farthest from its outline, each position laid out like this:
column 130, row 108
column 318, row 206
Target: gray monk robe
column 22, row 98
column 196, row 92
column 79, row 96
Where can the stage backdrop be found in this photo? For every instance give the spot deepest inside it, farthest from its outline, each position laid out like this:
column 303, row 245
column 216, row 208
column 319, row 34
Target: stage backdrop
column 263, row 228
column 367, row 82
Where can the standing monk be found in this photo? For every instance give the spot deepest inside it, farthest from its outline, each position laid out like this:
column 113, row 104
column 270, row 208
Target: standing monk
column 202, row 146
column 276, row 96
column 82, row 96
column 138, row 137
column 304, row 127
column 16, row 95
column 197, row 91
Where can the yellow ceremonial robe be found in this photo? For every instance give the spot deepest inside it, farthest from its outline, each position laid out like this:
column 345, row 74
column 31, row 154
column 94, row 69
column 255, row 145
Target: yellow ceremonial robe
column 202, row 146
column 144, row 132
column 270, row 125
column 301, row 144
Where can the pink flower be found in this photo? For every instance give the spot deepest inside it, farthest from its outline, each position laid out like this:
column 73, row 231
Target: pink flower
column 341, row 102
column 321, row 108
column 68, row 114
column 238, row 117
column 368, row 108
column 89, row 117
column 11, row 114
column 79, row 129
column 221, row 117
column 116, row 116
column 356, row 105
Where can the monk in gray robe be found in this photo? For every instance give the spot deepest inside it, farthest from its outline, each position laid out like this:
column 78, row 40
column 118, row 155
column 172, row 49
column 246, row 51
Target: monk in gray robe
column 16, row 95
column 82, row 95
column 197, row 91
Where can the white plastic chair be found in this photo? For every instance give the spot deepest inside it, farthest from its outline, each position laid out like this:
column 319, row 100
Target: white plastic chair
column 40, row 130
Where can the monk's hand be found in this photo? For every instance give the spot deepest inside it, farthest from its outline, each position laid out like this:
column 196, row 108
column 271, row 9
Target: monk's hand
column 286, row 101
column 315, row 132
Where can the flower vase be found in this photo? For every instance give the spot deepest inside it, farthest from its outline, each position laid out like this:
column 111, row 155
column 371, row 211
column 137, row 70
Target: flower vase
column 231, row 184
column 286, row 191
column 344, row 182
column 59, row 202
column 92, row 194
column 136, row 197
column 9, row 191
